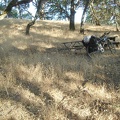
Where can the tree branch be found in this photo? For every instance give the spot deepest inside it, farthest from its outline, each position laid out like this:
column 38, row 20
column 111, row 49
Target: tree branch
column 14, row 3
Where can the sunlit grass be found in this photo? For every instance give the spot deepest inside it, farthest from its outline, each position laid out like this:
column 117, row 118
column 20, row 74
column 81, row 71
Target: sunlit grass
column 37, row 81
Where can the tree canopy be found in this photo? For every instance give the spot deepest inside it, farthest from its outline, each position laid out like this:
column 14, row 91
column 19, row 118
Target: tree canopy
column 96, row 11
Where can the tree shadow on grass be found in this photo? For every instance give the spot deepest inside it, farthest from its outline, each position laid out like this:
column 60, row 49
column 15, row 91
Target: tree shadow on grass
column 107, row 72
column 53, row 53
column 15, row 96
column 35, row 89
column 31, row 86
column 32, row 107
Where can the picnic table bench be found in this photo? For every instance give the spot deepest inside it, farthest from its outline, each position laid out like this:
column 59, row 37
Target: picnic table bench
column 73, row 45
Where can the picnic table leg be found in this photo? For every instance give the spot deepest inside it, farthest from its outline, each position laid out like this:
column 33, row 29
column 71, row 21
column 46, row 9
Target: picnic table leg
column 87, row 50
column 111, row 47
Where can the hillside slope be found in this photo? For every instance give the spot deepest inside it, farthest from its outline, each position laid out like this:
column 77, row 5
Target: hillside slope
column 39, row 82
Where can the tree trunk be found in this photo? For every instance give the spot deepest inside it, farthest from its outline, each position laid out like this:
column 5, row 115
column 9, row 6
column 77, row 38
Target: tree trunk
column 83, row 16
column 117, row 29
column 28, row 27
column 116, row 17
column 36, row 15
column 72, row 16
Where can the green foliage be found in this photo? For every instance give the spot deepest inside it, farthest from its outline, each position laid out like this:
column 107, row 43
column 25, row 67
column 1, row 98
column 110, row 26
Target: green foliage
column 13, row 14
column 19, row 11
column 107, row 12
column 57, row 9
column 60, row 9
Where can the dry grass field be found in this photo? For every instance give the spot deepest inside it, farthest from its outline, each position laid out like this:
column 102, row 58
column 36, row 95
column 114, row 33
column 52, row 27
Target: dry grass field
column 39, row 82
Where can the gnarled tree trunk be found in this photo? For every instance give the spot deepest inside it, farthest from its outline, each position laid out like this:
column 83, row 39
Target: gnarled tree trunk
column 36, row 16
column 28, row 26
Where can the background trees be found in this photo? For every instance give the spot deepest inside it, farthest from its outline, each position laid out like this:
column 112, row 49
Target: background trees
column 16, row 8
column 96, row 11
column 104, row 12
column 83, row 16
column 62, row 10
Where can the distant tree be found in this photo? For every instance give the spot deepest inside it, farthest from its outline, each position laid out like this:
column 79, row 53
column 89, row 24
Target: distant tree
column 83, row 16
column 94, row 14
column 14, row 3
column 104, row 12
column 23, row 11
column 11, row 4
column 116, row 14
column 39, row 5
column 72, row 16
column 62, row 9
column 13, row 14
column 74, row 5
column 57, row 9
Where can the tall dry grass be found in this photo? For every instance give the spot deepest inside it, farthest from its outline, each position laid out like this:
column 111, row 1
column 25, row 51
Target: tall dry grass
column 38, row 82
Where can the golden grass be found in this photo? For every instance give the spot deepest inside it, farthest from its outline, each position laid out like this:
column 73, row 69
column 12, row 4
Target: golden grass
column 39, row 82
